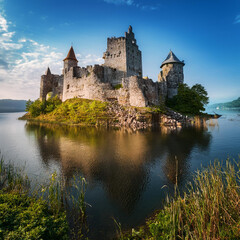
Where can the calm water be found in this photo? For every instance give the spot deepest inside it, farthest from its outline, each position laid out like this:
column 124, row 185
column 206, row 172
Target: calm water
column 125, row 171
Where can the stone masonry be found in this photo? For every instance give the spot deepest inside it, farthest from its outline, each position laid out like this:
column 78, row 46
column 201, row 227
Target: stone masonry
column 171, row 75
column 119, row 78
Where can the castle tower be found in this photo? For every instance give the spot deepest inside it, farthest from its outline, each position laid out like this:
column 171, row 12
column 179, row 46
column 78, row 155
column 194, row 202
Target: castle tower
column 70, row 61
column 123, row 55
column 51, row 83
column 171, row 75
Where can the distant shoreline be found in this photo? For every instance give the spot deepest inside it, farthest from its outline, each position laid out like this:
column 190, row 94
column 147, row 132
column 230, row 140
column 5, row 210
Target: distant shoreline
column 10, row 105
column 12, row 111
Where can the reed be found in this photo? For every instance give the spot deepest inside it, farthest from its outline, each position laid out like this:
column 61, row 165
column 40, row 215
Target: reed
column 12, row 178
column 209, row 209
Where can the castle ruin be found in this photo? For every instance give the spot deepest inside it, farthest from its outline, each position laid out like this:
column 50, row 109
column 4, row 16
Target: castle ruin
column 118, row 79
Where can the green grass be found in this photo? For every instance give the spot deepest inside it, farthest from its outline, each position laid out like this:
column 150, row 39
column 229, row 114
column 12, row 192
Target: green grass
column 76, row 110
column 209, row 209
column 40, row 213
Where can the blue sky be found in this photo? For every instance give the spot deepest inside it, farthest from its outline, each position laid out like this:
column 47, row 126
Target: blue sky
column 35, row 34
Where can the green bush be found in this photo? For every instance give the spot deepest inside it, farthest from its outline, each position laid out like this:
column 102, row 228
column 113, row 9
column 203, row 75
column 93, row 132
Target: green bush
column 189, row 100
column 38, row 107
column 23, row 217
column 118, row 86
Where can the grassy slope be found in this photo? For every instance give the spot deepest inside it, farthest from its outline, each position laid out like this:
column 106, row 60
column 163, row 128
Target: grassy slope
column 75, row 111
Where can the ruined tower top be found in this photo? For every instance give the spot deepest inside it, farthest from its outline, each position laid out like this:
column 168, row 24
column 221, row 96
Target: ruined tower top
column 171, row 58
column 130, row 35
column 124, row 55
column 71, row 55
column 130, row 29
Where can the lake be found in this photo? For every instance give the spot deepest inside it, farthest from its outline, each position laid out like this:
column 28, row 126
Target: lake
column 125, row 170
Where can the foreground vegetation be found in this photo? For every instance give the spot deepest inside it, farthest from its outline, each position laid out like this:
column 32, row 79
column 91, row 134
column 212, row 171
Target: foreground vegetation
column 40, row 213
column 209, row 209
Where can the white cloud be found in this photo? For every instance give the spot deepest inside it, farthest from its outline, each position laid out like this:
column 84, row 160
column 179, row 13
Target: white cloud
column 22, row 79
column 22, row 40
column 6, row 37
column 119, row 2
column 3, row 24
column 237, row 19
column 23, row 61
column 89, row 59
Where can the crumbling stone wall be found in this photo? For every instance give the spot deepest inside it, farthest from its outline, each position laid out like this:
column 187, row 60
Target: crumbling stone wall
column 133, row 54
column 51, row 83
column 87, row 83
column 123, row 57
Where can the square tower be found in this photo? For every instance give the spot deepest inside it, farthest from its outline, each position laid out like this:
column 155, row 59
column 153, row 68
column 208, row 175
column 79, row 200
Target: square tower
column 123, row 55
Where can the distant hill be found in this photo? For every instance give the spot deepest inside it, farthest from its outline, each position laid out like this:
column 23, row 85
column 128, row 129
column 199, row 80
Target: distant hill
column 228, row 105
column 9, row 105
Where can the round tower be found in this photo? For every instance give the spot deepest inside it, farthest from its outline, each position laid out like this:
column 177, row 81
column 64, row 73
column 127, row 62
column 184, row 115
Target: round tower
column 171, row 74
column 70, row 61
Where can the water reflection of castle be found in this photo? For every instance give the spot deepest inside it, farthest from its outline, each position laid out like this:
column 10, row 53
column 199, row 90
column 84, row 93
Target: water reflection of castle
column 117, row 159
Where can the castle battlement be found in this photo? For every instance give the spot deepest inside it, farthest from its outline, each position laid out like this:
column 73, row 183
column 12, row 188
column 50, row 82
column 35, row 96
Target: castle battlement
column 122, row 68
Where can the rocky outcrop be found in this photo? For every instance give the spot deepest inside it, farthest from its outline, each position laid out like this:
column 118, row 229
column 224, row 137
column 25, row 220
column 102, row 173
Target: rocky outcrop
column 142, row 118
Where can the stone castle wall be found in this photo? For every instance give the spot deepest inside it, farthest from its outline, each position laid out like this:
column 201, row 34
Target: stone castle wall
column 51, row 83
column 122, row 67
column 123, row 56
column 170, row 77
column 135, row 91
column 133, row 55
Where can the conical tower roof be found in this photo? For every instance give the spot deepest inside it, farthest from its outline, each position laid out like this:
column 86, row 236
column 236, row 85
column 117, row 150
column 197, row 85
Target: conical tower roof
column 171, row 58
column 71, row 55
column 48, row 71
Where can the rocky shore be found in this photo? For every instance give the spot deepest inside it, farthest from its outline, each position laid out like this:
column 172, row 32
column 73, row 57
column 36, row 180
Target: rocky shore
column 142, row 118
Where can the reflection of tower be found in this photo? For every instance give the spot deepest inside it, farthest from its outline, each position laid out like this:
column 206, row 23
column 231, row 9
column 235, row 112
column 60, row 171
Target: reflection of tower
column 120, row 169
column 117, row 160
column 171, row 74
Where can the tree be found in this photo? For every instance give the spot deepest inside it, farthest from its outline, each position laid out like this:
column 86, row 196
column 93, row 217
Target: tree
column 189, row 100
column 28, row 105
column 41, row 107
